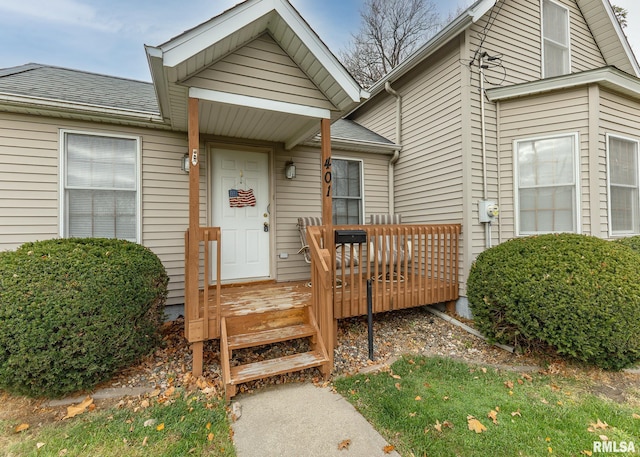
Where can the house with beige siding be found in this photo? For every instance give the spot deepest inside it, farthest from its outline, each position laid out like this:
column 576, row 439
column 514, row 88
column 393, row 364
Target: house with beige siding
column 524, row 108
column 519, row 117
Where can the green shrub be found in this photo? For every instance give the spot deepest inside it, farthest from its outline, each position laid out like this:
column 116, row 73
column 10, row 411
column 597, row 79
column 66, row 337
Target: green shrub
column 577, row 294
column 73, row 311
column 632, row 242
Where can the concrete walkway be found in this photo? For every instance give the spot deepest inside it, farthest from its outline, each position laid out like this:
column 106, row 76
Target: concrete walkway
column 301, row 420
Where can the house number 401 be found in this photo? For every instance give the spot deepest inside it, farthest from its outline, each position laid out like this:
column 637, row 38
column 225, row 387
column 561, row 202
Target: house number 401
column 327, row 175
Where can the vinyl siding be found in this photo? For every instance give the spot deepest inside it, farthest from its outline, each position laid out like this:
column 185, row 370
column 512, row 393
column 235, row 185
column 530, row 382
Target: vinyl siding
column 618, row 116
column 565, row 112
column 302, row 197
column 516, row 36
column 29, row 187
column 261, row 69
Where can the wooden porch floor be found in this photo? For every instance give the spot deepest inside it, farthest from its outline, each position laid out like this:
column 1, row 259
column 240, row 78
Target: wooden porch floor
column 259, row 297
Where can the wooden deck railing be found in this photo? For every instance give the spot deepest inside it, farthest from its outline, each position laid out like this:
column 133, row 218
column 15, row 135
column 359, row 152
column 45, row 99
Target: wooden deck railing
column 202, row 320
column 410, row 265
column 322, row 293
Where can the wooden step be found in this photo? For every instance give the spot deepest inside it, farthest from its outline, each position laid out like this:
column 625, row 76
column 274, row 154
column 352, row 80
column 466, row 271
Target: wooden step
column 273, row 367
column 261, row 338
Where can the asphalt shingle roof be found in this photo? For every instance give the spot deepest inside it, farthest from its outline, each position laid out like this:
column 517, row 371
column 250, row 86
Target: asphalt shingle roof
column 66, row 85
column 350, row 130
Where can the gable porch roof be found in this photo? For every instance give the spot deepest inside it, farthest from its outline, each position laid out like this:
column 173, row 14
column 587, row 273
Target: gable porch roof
column 175, row 64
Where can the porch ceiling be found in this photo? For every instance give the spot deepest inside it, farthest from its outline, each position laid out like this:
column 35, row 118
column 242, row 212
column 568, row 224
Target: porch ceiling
column 234, row 112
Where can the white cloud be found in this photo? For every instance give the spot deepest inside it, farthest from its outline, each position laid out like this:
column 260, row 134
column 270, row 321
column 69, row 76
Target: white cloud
column 66, row 12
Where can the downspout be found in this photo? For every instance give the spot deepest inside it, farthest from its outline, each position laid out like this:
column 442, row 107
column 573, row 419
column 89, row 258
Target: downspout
column 396, row 153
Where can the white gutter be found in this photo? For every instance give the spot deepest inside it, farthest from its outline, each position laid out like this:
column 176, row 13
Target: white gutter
column 398, row 139
column 40, row 102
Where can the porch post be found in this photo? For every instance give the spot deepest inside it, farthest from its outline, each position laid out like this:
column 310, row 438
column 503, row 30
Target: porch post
column 194, row 227
column 326, row 177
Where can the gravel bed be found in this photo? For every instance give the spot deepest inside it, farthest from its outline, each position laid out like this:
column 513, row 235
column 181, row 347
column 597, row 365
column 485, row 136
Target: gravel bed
column 412, row 331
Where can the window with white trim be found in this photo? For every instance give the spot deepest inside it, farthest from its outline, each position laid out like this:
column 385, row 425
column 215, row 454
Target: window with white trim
column 347, row 191
column 547, row 185
column 555, row 39
column 100, row 186
column 623, row 186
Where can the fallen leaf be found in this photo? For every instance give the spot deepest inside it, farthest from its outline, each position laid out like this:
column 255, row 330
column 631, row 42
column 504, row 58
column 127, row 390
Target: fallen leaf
column 547, row 439
column 438, row 426
column 412, row 414
column 599, row 425
column 555, row 388
column 149, row 423
column 520, row 381
column 484, row 370
column 144, row 403
column 427, row 385
column 154, row 393
column 160, row 427
column 388, row 449
column 208, row 426
column 445, row 398
column 603, row 437
column 21, row 428
column 144, row 441
column 550, row 449
column 508, row 384
column 516, row 413
column 74, row 410
column 493, row 415
column 398, row 386
column 344, row 444
column 527, row 377
column 475, row 425
column 418, row 398
column 39, row 445
column 169, row 392
column 396, row 376
column 63, row 452
column 544, row 401
column 210, row 437
column 447, row 424
column 587, row 453
column 635, row 416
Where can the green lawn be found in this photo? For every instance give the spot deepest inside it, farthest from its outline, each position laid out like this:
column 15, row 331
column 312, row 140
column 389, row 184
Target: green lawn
column 182, row 426
column 425, row 406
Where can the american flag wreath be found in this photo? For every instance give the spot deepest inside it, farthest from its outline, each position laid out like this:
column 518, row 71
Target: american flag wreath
column 239, row 198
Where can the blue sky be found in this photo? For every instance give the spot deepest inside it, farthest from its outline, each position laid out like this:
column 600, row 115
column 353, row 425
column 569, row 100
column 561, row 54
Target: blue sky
column 108, row 36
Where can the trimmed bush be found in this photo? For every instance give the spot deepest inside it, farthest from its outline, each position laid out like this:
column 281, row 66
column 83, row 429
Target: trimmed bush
column 632, row 242
column 73, row 311
column 577, row 294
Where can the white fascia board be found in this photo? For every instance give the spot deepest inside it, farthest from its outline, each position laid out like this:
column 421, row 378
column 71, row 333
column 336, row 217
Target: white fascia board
column 622, row 37
column 39, row 102
column 320, row 51
column 154, row 59
column 610, row 76
column 200, row 38
column 360, row 145
column 259, row 103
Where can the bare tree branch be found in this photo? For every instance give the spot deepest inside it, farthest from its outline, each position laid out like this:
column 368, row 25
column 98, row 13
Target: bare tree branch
column 390, row 31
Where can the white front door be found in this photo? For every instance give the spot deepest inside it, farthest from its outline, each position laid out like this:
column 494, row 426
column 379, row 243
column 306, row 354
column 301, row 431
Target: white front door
column 244, row 225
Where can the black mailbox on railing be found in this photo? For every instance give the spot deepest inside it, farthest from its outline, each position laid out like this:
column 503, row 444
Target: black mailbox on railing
column 350, row 236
